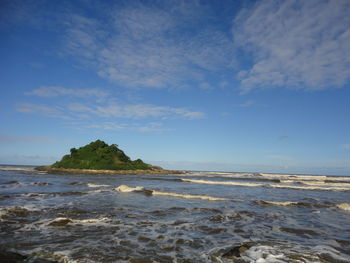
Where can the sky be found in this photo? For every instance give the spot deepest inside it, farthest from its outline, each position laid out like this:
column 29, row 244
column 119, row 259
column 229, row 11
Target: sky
column 256, row 86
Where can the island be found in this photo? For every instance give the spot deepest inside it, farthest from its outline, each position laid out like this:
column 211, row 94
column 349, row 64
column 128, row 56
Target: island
column 100, row 158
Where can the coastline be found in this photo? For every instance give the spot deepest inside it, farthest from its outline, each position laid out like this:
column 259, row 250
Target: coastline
column 54, row 170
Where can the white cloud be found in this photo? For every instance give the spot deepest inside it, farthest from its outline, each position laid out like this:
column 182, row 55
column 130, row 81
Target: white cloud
column 136, row 111
column 148, row 46
column 295, row 44
column 48, row 111
column 147, row 127
column 55, row 91
column 111, row 110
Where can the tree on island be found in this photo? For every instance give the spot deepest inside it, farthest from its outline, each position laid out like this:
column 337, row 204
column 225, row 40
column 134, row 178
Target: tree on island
column 99, row 155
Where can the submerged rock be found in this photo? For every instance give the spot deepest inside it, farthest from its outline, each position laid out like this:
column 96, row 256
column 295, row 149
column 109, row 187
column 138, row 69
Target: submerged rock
column 14, row 257
column 236, row 251
column 11, row 257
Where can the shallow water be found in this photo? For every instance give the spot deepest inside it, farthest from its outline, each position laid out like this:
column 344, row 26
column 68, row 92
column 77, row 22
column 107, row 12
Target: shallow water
column 196, row 217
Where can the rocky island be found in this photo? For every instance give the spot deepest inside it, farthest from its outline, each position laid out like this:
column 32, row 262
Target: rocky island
column 100, row 158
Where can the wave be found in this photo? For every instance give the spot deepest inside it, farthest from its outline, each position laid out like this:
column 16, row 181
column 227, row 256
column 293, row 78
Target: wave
column 302, row 177
column 310, row 178
column 97, row 185
column 48, row 256
column 64, row 221
column 16, row 211
column 325, row 183
column 17, row 168
column 262, row 253
column 221, row 174
column 282, row 203
column 344, row 206
column 247, row 252
column 128, row 189
column 296, row 187
column 189, row 196
column 222, row 182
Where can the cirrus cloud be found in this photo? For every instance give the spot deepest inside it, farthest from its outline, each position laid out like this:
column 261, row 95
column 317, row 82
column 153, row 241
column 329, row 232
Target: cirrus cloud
column 154, row 46
column 295, row 44
column 55, row 91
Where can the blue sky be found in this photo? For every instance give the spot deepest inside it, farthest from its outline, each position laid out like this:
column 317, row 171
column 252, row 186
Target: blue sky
column 203, row 85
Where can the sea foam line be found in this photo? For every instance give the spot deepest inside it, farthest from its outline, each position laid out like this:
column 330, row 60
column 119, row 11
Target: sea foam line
column 97, row 185
column 128, row 189
column 309, row 187
column 222, row 182
column 283, row 186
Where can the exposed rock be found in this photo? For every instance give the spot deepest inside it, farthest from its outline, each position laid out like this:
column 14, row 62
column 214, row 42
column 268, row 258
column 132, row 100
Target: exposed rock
column 60, row 222
column 236, row 251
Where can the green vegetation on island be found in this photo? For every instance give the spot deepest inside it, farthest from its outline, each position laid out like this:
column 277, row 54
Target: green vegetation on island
column 100, row 156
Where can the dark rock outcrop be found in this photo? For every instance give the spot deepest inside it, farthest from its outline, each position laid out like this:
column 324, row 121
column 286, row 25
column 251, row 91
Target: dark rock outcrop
column 236, row 251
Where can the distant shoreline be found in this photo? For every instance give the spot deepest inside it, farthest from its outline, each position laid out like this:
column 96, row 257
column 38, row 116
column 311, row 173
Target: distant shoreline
column 54, row 170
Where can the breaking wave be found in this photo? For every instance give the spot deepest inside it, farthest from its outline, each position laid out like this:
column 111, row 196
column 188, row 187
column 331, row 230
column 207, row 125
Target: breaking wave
column 17, row 168
column 282, row 203
column 296, row 187
column 128, row 189
column 300, row 177
column 344, row 206
column 63, row 221
column 97, row 185
column 222, row 182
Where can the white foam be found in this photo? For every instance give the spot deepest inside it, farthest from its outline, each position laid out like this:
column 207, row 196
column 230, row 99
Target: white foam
column 78, row 221
column 222, row 182
column 17, row 168
column 324, row 183
column 7, row 211
column 219, row 174
column 297, row 187
column 263, row 254
column 339, row 178
column 284, row 203
column 97, row 185
column 296, row 176
column 127, row 189
column 90, row 221
column 188, row 196
column 344, row 206
column 57, row 256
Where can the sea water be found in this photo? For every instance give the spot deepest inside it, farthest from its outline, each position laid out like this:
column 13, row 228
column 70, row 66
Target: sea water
column 193, row 217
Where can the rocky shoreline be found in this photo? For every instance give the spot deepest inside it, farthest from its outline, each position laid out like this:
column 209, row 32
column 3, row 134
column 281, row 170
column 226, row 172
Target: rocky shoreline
column 55, row 170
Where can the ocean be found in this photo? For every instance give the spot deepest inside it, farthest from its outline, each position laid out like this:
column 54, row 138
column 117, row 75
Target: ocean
column 193, row 217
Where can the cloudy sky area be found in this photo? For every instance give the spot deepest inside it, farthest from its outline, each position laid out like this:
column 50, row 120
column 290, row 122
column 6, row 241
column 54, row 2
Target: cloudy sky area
column 203, row 85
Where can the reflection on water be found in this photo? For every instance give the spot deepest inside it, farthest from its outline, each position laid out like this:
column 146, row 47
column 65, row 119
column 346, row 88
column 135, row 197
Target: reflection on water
column 197, row 217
